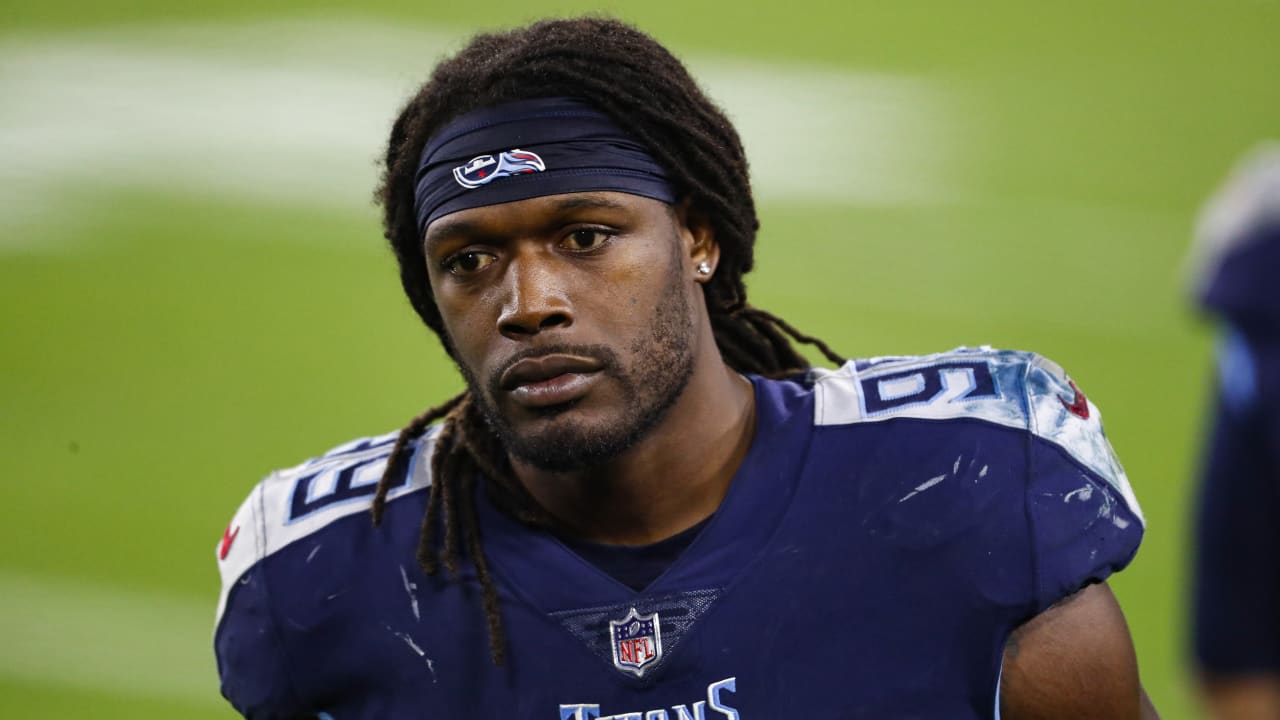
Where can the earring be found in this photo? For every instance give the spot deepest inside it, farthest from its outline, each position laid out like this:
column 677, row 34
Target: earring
column 704, row 268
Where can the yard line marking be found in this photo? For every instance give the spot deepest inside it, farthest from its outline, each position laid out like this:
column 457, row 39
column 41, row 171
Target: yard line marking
column 65, row 632
column 296, row 111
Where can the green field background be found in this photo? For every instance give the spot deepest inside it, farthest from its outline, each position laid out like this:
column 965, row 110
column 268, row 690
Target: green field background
column 163, row 348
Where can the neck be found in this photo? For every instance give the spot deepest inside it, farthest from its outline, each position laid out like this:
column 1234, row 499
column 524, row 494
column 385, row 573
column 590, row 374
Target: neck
column 676, row 476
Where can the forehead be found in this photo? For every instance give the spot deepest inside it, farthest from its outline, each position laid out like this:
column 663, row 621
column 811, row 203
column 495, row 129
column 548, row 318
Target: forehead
column 542, row 213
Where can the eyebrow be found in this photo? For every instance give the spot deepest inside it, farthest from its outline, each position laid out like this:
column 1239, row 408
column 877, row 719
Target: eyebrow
column 447, row 228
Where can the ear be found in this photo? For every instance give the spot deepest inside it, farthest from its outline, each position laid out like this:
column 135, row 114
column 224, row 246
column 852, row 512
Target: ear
column 699, row 242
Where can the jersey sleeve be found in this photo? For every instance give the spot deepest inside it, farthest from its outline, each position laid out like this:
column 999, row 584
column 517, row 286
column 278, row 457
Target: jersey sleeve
column 1237, row 578
column 1084, row 520
column 250, row 654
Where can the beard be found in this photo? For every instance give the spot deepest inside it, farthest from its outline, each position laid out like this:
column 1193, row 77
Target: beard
column 662, row 368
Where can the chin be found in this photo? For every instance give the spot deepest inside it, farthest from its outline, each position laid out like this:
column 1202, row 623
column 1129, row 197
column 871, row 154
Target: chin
column 564, row 444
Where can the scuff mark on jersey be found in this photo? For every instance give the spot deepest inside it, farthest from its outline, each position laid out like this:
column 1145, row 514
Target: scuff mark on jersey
column 1083, row 494
column 411, row 588
column 922, row 487
column 408, row 640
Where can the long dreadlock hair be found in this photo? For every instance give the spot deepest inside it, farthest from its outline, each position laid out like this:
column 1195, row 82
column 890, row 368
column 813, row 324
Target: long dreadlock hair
column 649, row 93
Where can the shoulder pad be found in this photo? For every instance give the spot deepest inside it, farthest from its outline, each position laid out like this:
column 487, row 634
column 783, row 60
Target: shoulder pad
column 291, row 504
column 1011, row 388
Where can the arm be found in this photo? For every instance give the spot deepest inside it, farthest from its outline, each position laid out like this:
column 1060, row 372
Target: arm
column 250, row 658
column 1074, row 661
column 1237, row 697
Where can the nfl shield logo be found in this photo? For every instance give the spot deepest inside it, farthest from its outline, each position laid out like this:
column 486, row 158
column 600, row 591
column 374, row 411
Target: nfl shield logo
column 637, row 642
column 486, row 168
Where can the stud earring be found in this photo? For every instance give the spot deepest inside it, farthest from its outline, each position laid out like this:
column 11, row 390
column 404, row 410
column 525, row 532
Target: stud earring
column 704, row 268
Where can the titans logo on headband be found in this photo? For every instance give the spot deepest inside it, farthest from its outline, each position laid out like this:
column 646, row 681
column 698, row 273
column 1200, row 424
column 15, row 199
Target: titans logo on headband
column 486, row 168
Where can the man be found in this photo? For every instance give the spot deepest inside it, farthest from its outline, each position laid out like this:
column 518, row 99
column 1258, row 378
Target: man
column 646, row 505
column 1237, row 577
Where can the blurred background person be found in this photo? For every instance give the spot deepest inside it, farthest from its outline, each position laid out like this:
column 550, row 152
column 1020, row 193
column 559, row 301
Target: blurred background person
column 1237, row 572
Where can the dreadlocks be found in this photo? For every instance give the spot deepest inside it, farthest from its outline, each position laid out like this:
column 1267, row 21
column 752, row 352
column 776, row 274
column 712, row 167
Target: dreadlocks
column 648, row 92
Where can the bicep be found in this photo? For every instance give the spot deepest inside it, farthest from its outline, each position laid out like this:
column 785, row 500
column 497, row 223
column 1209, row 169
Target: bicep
column 1074, row 660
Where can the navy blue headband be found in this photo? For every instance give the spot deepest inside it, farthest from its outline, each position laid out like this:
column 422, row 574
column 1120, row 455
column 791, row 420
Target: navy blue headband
column 528, row 149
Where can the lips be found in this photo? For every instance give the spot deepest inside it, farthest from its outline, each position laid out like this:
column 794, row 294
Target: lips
column 549, row 380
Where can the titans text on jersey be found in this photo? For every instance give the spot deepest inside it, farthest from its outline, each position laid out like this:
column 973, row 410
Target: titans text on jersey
column 892, row 522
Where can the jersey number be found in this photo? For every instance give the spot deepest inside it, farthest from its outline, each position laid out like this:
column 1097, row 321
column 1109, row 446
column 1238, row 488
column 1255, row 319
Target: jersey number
column 936, row 384
column 337, row 480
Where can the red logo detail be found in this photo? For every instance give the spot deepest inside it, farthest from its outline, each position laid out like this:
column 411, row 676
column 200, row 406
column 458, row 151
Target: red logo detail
column 1079, row 406
column 228, row 537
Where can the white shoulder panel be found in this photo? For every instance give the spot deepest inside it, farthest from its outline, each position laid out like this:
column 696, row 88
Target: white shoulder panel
column 967, row 382
column 289, row 505
column 241, row 544
column 1062, row 414
column 1006, row 387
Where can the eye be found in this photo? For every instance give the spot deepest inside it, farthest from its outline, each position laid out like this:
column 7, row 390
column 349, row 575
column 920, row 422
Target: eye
column 585, row 240
column 465, row 263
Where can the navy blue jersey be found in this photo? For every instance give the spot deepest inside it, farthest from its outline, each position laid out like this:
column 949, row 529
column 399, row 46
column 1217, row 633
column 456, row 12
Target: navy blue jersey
column 890, row 525
column 1237, row 578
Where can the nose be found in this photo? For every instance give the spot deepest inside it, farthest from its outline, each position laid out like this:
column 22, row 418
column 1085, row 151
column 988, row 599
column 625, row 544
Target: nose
column 534, row 298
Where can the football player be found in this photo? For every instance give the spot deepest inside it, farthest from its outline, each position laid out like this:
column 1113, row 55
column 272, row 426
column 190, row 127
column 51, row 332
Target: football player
column 647, row 505
column 1237, row 574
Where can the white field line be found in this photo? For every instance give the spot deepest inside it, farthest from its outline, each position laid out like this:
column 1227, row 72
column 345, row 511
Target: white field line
column 74, row 634
column 297, row 111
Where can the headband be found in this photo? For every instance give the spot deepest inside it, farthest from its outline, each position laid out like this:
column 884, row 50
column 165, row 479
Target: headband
column 528, row 149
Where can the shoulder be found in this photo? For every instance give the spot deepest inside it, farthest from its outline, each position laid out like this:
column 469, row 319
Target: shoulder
column 265, row 558
column 1048, row 481
column 1013, row 389
column 1237, row 249
column 295, row 503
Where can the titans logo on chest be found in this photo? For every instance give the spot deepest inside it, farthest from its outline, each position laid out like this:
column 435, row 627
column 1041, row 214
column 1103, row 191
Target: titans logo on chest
column 636, row 641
